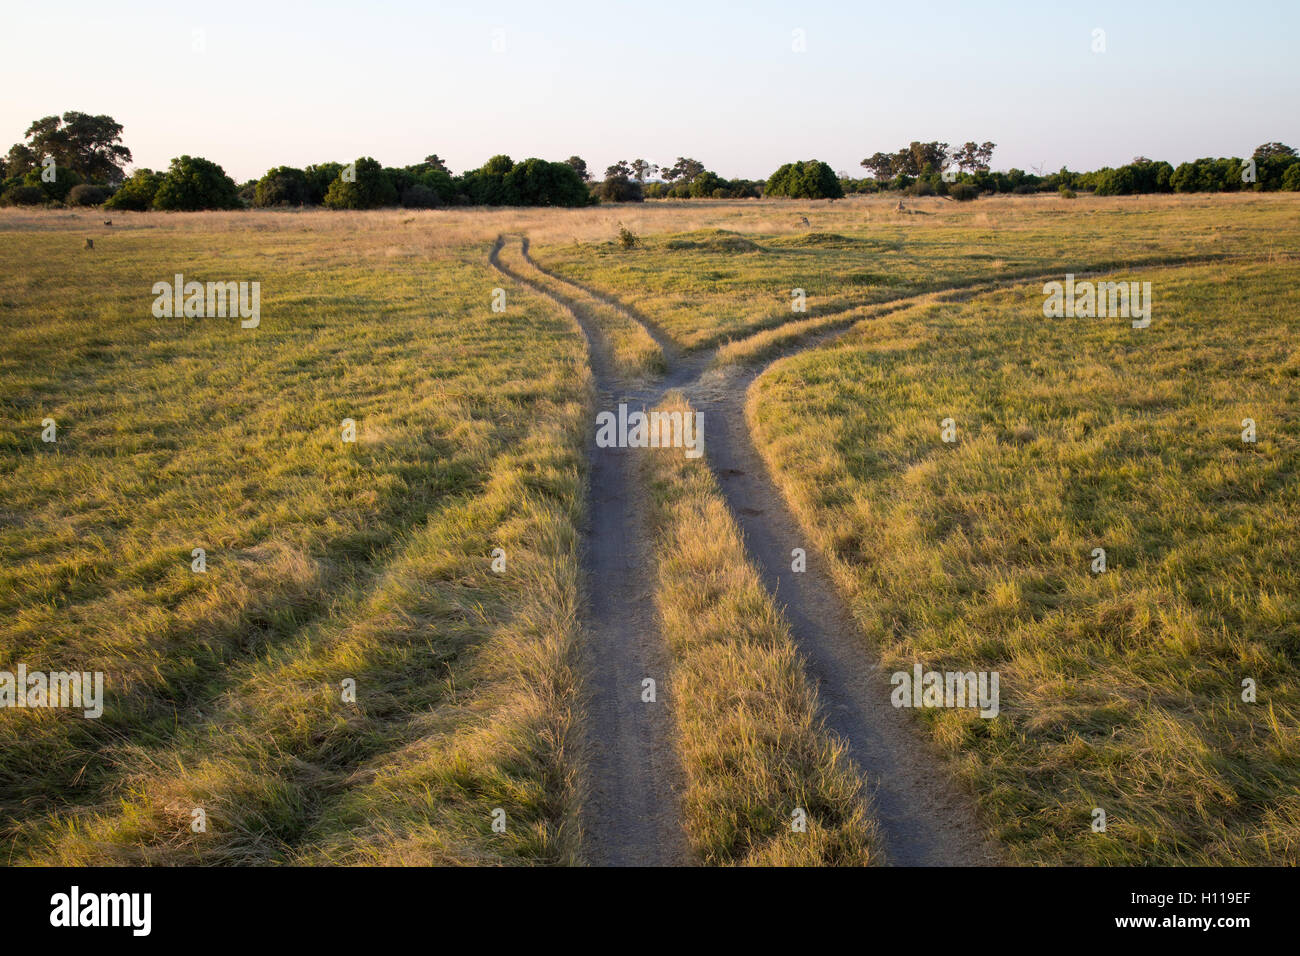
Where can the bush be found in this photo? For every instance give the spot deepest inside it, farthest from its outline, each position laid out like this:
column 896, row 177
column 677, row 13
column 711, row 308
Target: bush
column 806, row 179
column 488, row 185
column 419, row 196
column 65, row 180
column 24, row 196
column 370, row 188
column 627, row 238
column 137, row 193
column 535, row 182
column 620, row 189
column 318, row 179
column 282, row 186
column 193, row 183
column 88, row 195
column 963, row 192
column 1066, row 192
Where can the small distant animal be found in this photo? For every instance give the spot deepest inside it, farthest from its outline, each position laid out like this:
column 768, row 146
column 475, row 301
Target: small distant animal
column 90, row 243
column 108, row 222
column 900, row 207
column 803, row 221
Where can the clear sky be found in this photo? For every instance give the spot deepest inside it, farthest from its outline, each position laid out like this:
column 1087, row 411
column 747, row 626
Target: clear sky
column 298, row 83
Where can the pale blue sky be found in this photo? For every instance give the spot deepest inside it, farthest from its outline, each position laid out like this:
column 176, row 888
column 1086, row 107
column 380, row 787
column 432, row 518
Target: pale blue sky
column 296, row 83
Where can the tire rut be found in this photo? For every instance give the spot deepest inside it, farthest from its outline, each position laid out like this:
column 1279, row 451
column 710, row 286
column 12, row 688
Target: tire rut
column 631, row 813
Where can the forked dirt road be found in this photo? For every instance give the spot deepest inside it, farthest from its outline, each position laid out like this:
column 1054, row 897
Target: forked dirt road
column 632, row 815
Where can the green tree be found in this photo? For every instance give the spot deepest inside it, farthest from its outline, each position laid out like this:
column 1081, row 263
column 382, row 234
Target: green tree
column 318, row 179
column 137, row 193
column 535, row 182
column 369, row 188
column 90, row 146
column 684, row 170
column 580, row 167
column 193, row 183
column 282, row 186
column 806, row 179
column 619, row 186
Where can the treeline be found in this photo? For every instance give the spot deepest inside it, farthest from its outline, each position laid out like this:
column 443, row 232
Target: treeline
column 193, row 183
column 928, row 169
column 685, row 179
column 79, row 160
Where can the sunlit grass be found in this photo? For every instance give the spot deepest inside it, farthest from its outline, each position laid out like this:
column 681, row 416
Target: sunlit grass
column 753, row 748
column 326, row 561
column 1120, row 690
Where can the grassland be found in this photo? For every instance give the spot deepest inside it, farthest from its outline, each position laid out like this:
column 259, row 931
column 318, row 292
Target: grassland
column 326, row 561
column 708, row 286
column 1121, row 690
column 372, row 561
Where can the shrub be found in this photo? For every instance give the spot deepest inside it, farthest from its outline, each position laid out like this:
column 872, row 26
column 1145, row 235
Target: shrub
column 318, row 180
column 137, row 193
column 65, row 180
column 806, row 179
column 535, row 182
column 1291, row 178
column 1066, row 192
column 627, row 238
column 282, row 186
column 370, row 188
column 88, row 195
column 963, row 192
column 620, row 189
column 489, row 185
column 420, row 196
column 24, row 196
column 193, row 183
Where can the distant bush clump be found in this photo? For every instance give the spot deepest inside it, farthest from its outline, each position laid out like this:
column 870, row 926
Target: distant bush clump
column 419, row 196
column 193, row 183
column 963, row 192
column 364, row 185
column 535, row 182
column 88, row 195
column 56, row 189
column 24, row 196
column 807, row 179
column 283, row 186
column 619, row 186
column 137, row 193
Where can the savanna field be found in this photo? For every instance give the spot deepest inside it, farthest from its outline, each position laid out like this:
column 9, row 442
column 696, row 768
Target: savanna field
column 374, row 562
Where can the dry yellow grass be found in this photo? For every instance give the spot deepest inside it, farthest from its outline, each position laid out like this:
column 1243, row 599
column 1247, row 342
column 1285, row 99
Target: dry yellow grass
column 753, row 749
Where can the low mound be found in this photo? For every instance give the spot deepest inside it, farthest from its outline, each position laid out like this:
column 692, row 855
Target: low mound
column 818, row 240
column 712, row 240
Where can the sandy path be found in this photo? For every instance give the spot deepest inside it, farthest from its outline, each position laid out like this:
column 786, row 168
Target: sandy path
column 631, row 810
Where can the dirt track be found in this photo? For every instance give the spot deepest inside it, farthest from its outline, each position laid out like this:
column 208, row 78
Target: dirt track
column 633, row 814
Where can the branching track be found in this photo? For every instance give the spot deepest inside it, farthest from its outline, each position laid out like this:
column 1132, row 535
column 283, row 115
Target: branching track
column 633, row 814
